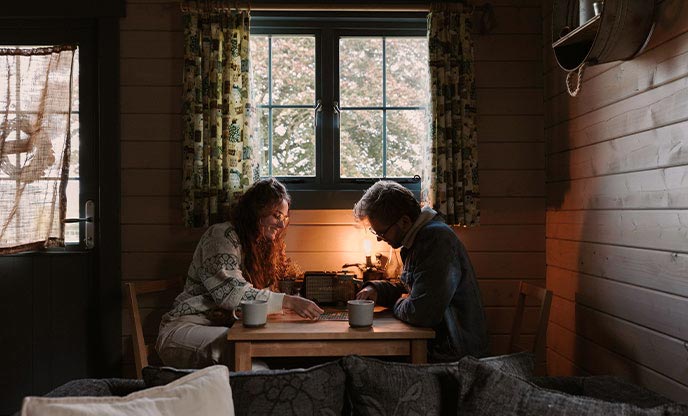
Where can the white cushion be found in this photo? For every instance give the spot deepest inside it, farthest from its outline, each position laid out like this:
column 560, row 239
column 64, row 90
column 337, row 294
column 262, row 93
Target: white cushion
column 205, row 392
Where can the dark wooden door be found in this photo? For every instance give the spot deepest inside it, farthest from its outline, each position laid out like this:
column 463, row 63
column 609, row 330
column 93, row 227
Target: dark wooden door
column 61, row 307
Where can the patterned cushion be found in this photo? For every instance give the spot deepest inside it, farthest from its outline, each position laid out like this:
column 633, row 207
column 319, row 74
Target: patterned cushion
column 97, row 387
column 159, row 376
column 386, row 388
column 607, row 388
column 519, row 365
column 317, row 390
column 485, row 392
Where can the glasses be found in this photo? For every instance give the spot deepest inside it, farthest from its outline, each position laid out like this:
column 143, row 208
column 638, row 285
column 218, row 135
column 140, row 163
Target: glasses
column 284, row 219
column 382, row 234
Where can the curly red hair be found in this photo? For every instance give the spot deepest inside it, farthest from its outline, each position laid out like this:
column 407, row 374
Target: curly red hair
column 263, row 258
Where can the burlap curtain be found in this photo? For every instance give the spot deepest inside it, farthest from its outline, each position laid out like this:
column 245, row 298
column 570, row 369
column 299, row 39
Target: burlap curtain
column 452, row 166
column 36, row 98
column 219, row 160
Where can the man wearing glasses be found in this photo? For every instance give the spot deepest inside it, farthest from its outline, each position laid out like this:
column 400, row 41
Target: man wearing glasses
column 437, row 274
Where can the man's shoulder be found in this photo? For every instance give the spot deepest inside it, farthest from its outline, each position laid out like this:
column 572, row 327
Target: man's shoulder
column 437, row 231
column 437, row 226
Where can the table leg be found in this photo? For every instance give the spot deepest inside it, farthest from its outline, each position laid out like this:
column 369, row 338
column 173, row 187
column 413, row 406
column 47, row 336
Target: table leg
column 242, row 356
column 419, row 351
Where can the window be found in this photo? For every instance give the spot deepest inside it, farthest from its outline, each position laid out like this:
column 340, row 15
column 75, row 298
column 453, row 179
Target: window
column 341, row 101
column 33, row 130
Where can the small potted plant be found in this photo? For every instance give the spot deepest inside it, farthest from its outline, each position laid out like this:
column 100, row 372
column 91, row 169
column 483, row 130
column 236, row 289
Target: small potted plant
column 288, row 276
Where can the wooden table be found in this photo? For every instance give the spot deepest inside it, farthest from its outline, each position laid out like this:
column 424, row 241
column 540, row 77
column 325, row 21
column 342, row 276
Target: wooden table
column 288, row 335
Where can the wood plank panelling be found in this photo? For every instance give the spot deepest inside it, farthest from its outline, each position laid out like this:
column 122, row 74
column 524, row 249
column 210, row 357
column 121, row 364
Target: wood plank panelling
column 658, row 148
column 638, row 305
column 507, row 128
column 150, row 72
column 659, row 270
column 594, row 359
column 655, row 108
column 507, row 247
column 652, row 189
column 655, row 229
column 153, row 44
column 617, row 213
column 512, row 155
column 151, row 127
column 636, row 343
column 513, row 47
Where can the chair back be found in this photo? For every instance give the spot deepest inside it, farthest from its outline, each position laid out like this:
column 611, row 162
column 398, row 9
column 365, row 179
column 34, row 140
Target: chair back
column 132, row 290
column 544, row 298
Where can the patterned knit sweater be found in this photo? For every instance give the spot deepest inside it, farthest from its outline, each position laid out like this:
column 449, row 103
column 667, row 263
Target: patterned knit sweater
column 214, row 283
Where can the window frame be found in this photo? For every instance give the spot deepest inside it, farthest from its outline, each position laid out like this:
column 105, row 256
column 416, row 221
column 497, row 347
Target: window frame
column 327, row 190
column 81, row 32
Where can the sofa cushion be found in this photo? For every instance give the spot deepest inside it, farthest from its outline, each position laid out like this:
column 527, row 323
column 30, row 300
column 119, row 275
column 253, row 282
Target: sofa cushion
column 315, row 390
column 485, row 392
column 519, row 365
column 607, row 388
column 205, row 392
column 378, row 387
column 97, row 387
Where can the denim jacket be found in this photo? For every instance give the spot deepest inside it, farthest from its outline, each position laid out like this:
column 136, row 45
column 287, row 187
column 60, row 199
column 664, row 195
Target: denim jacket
column 443, row 293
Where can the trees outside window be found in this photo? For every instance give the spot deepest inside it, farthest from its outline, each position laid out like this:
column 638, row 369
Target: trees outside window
column 341, row 101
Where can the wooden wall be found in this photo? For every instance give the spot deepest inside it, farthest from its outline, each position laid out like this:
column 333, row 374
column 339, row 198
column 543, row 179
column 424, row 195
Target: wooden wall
column 507, row 247
column 617, row 224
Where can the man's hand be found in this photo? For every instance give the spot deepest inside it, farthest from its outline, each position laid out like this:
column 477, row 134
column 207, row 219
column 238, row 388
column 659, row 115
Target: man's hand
column 304, row 307
column 368, row 292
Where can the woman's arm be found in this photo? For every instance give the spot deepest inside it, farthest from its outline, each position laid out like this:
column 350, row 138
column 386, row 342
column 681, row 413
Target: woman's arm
column 220, row 271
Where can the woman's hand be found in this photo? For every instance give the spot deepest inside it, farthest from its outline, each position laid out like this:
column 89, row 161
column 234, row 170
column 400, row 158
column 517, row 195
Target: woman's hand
column 368, row 292
column 304, row 307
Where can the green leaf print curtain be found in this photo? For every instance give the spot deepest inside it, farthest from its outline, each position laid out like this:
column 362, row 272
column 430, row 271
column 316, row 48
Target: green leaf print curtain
column 218, row 153
column 452, row 162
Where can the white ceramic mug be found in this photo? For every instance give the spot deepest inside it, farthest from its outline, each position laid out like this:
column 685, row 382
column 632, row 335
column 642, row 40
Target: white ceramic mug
column 254, row 313
column 360, row 313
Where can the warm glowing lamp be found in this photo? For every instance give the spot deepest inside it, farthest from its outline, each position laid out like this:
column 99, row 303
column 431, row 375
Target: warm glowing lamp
column 367, row 250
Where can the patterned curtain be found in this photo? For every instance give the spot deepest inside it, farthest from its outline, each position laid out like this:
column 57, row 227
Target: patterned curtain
column 36, row 103
column 452, row 162
column 219, row 160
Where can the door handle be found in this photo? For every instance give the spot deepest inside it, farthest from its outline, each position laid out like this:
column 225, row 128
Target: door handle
column 89, row 224
column 318, row 109
column 337, row 111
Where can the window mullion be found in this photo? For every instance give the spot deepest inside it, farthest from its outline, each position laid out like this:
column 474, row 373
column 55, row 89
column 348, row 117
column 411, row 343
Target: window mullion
column 384, row 106
column 330, row 92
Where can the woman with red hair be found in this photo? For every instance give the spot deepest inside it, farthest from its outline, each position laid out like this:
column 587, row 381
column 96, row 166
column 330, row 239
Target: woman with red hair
column 236, row 260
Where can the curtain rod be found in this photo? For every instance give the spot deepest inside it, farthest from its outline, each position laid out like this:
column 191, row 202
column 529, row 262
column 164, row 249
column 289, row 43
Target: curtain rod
column 187, row 6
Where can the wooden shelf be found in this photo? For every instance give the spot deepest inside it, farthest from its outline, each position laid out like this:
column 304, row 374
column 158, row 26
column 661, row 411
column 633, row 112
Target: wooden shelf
column 584, row 33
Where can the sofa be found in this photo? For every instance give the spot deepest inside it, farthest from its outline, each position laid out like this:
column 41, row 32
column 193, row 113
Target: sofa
column 357, row 385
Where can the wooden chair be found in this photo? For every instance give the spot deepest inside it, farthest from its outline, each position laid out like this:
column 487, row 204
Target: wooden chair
column 544, row 297
column 132, row 290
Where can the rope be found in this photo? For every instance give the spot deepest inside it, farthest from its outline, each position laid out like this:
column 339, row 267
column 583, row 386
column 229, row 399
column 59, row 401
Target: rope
column 579, row 80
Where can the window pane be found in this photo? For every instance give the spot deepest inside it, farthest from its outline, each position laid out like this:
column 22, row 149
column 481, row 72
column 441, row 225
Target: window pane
column 293, row 142
column 259, row 68
column 293, row 70
column 74, row 154
column 72, row 229
column 8, row 189
column 405, row 131
column 360, row 72
column 407, row 72
column 35, row 96
column 360, row 145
